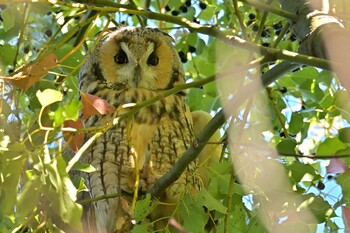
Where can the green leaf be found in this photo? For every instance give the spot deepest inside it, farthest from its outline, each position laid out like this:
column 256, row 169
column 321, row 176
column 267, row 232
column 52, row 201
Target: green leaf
column 7, row 54
column 307, row 73
column 299, row 170
column 204, row 67
column 255, row 225
column 327, row 101
column 330, row 146
column 74, row 59
column 296, row 123
column 140, row 228
column 62, row 194
column 237, row 217
column 84, row 167
column 343, row 180
column 211, row 89
column 198, row 100
column 344, row 134
column 14, row 161
column 193, row 215
column 204, row 198
column 57, row 116
column 192, row 39
column 220, row 175
column 341, row 99
column 320, row 208
column 8, row 16
column 29, row 197
column 286, row 146
column 49, row 96
column 143, row 208
column 71, row 111
column 207, row 14
column 311, row 91
column 326, row 77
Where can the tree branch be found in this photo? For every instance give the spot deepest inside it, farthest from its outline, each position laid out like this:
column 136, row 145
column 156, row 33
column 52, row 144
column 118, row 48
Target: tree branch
column 218, row 120
column 190, row 155
column 267, row 8
column 213, row 31
column 314, row 156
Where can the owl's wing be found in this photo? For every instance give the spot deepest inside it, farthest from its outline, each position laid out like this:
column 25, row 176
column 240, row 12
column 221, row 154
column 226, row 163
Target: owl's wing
column 212, row 151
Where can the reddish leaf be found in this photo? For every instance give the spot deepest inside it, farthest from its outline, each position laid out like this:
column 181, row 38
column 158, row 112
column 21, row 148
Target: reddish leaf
column 75, row 140
column 93, row 105
column 337, row 166
column 346, row 217
column 34, row 73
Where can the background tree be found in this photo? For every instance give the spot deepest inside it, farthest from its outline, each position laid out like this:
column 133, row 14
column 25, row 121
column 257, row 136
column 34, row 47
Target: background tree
column 268, row 71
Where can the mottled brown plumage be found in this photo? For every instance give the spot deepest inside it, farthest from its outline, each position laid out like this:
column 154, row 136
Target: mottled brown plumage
column 131, row 65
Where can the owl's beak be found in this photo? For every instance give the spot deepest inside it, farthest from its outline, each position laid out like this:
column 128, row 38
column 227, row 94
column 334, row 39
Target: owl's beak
column 137, row 75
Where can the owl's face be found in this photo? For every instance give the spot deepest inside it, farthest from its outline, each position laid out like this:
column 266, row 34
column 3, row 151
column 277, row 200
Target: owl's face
column 139, row 58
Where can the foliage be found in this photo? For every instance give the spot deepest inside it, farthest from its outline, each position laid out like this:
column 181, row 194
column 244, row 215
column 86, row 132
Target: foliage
column 304, row 115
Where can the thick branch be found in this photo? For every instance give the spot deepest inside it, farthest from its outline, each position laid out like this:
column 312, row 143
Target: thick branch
column 321, row 35
column 192, row 153
column 213, row 31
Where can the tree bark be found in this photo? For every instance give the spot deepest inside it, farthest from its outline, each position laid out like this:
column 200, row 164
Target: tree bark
column 321, row 34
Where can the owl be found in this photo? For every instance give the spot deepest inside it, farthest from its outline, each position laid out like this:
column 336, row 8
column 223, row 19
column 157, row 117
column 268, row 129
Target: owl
column 128, row 66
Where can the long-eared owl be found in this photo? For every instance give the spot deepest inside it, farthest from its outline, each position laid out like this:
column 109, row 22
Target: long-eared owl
column 131, row 65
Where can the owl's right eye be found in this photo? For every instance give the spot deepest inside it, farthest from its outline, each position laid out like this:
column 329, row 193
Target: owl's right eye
column 121, row 58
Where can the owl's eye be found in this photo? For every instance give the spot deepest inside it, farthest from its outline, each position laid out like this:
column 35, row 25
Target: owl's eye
column 153, row 60
column 121, row 58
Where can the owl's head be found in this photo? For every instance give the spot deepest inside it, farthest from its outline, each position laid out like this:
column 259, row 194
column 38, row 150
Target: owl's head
column 133, row 57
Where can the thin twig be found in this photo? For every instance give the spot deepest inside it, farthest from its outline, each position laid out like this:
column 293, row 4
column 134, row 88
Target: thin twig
column 262, row 6
column 314, row 156
column 213, row 31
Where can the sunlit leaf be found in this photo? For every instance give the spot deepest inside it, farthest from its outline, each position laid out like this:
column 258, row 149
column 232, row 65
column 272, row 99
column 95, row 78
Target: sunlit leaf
column 49, row 96
column 71, row 110
column 330, row 146
column 29, row 197
column 300, row 170
column 16, row 158
column 319, row 207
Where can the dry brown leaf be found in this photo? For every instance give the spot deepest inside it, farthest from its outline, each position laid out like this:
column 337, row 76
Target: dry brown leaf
column 337, row 166
column 75, row 140
column 34, row 73
column 346, row 217
column 93, row 105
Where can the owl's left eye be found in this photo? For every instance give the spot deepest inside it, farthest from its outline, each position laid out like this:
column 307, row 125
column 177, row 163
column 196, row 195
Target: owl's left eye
column 153, row 60
column 121, row 58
